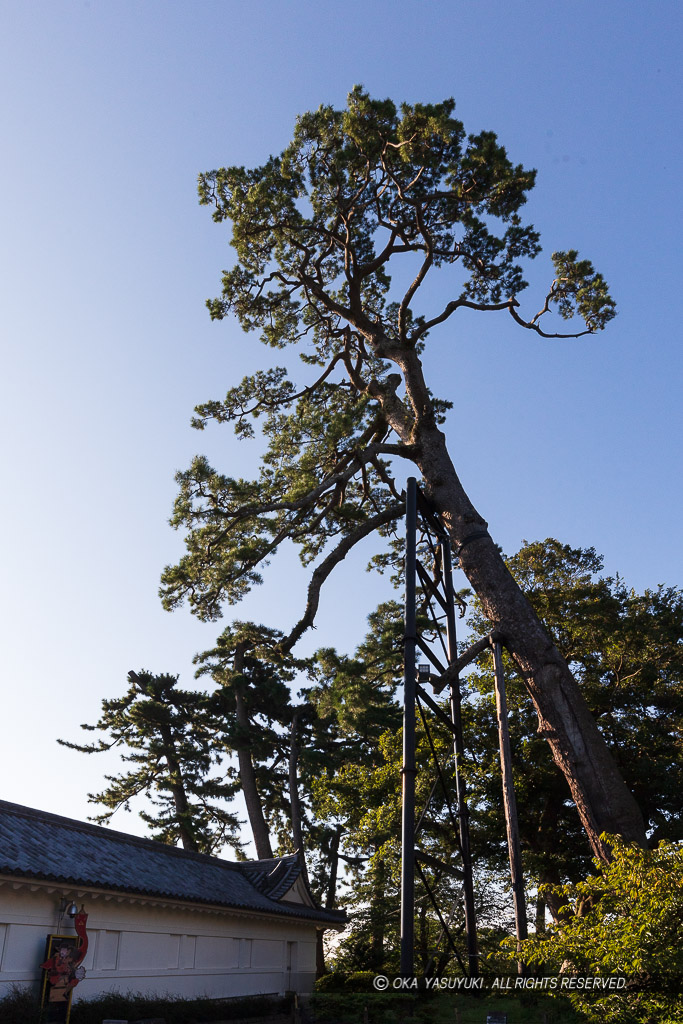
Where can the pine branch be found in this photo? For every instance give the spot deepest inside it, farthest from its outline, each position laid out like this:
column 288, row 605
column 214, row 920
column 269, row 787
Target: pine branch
column 328, row 564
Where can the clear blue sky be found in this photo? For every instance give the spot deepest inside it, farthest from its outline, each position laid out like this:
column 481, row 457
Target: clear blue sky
column 109, row 112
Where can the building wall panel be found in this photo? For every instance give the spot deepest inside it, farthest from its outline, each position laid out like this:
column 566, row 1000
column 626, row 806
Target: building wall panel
column 142, row 947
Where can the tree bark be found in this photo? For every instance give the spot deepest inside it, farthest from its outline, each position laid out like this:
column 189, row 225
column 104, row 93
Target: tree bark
column 331, row 895
column 377, row 920
column 247, row 774
column 180, row 800
column 294, row 801
column 510, row 806
column 319, row 953
column 330, row 899
column 602, row 798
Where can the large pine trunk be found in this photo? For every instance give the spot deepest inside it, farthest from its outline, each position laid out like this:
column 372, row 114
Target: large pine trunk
column 250, row 791
column 259, row 829
column 601, row 795
column 182, row 805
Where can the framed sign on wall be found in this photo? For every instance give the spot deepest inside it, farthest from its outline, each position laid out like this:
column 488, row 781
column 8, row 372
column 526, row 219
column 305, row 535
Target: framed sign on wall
column 64, row 955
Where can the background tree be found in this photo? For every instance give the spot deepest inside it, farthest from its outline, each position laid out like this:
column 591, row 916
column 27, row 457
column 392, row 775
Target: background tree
column 168, row 736
column 354, row 701
column 252, row 702
column 624, row 648
column 356, row 790
column 625, row 651
column 367, row 798
column 627, row 920
column 317, row 232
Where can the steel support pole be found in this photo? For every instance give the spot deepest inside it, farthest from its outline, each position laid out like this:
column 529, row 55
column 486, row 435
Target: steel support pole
column 408, row 770
column 459, row 750
column 509, row 802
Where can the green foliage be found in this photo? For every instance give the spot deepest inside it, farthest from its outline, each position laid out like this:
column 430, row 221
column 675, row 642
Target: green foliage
column 350, row 1003
column 173, row 1009
column 182, row 742
column 353, row 705
column 167, row 735
column 357, row 1002
column 624, row 649
column 351, row 981
column 251, row 704
column 625, row 920
column 262, row 680
column 353, row 172
column 359, row 791
column 578, row 288
column 356, row 694
column 20, row 1005
column 317, row 233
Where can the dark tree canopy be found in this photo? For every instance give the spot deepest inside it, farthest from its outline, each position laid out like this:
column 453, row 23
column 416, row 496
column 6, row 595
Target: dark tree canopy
column 625, row 649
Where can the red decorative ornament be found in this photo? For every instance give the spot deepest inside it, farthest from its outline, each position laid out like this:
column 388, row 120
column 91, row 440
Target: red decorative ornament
column 64, row 970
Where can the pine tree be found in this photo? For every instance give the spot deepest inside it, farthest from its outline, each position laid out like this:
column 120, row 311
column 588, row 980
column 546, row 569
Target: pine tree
column 252, row 702
column 625, row 652
column 168, row 735
column 624, row 648
column 317, row 233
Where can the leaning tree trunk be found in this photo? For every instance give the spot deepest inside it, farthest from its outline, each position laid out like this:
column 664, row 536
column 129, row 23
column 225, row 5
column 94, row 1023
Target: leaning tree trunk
column 600, row 793
column 252, row 799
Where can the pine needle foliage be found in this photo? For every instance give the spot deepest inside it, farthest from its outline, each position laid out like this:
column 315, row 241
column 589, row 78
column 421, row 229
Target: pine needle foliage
column 167, row 736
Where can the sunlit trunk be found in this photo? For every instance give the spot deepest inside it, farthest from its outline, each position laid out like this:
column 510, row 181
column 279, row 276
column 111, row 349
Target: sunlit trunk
column 599, row 792
column 177, row 787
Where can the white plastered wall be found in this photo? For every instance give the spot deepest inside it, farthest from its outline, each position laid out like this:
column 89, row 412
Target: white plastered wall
column 155, row 946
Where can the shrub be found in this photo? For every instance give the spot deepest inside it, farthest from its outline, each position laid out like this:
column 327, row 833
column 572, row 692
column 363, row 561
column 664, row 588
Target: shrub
column 346, row 981
column 19, row 1006
column 627, row 920
column 173, row 1009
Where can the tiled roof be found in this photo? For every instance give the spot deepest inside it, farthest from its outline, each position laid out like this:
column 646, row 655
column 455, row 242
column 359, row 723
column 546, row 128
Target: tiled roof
column 273, row 877
column 36, row 844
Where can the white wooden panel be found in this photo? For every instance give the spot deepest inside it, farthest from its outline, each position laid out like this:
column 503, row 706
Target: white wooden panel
column 216, row 951
column 307, row 956
column 24, row 947
column 174, row 951
column 107, row 950
column 187, row 950
column 267, row 953
column 245, row 952
column 141, row 950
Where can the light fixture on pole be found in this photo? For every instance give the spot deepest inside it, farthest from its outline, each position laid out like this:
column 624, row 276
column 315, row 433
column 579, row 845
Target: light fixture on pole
column 423, row 672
